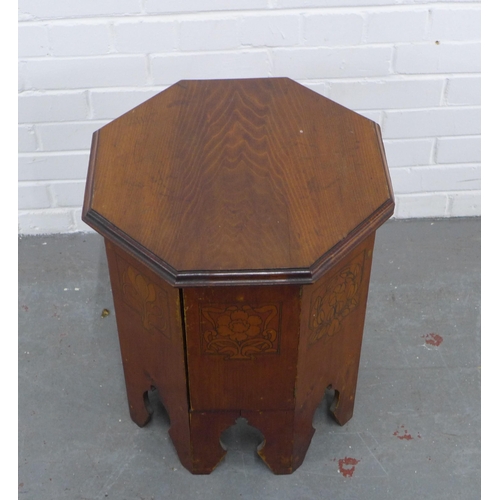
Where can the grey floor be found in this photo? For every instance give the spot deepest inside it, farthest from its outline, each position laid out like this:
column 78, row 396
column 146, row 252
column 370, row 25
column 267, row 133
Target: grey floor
column 415, row 433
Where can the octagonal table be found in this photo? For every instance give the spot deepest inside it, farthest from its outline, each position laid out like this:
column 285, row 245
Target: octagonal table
column 239, row 219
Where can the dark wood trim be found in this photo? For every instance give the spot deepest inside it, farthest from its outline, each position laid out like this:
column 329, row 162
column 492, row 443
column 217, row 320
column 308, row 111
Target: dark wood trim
column 240, row 277
column 87, row 201
column 246, row 276
column 117, row 236
column 352, row 240
column 383, row 157
column 193, row 278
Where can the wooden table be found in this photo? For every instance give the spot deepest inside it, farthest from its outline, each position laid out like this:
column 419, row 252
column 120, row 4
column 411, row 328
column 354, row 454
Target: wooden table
column 239, row 218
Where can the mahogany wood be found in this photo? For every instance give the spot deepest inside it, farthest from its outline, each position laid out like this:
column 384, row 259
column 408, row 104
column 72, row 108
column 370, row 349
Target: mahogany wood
column 287, row 179
column 242, row 346
column 264, row 353
column 239, row 218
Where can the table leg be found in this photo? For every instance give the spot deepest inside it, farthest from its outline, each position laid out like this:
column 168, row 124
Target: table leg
column 137, row 395
column 331, row 332
column 205, row 431
column 289, row 378
column 277, row 449
column 152, row 344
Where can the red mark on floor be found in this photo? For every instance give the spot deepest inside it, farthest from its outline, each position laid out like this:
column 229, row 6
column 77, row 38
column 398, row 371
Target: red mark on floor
column 433, row 339
column 25, row 308
column 347, row 466
column 402, row 433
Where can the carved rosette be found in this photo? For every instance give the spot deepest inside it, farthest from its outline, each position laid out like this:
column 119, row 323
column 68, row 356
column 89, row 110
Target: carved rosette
column 149, row 300
column 240, row 332
column 335, row 300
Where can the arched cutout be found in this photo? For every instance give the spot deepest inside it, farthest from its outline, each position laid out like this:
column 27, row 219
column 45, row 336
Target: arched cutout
column 325, row 409
column 147, row 397
column 154, row 404
column 242, row 440
column 332, row 397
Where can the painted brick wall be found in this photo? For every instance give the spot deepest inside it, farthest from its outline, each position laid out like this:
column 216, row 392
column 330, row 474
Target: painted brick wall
column 411, row 65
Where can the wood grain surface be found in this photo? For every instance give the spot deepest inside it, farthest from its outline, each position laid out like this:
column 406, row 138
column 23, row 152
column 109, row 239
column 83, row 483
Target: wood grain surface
column 149, row 320
column 331, row 333
column 224, row 180
column 242, row 346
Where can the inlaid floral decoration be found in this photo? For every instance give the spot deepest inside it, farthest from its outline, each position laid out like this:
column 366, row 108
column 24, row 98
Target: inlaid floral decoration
column 335, row 300
column 240, row 332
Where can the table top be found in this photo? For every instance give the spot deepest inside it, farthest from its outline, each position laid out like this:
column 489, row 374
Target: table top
column 238, row 181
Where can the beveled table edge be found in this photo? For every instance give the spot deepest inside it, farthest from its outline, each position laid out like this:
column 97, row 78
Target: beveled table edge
column 243, row 277
column 240, row 276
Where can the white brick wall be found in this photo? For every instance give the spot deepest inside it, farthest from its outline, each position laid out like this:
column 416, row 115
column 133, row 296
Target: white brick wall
column 463, row 91
column 52, row 107
column 144, row 36
column 111, row 103
column 270, row 30
column 332, row 29
column 432, row 57
column 331, row 63
column 405, row 26
column 170, row 68
column 80, row 39
column 432, row 122
column 410, row 65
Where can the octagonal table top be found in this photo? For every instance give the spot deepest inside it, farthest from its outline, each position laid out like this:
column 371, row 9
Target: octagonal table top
column 238, row 181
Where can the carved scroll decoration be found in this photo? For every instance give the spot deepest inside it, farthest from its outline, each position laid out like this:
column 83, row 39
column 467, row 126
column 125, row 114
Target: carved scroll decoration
column 335, row 300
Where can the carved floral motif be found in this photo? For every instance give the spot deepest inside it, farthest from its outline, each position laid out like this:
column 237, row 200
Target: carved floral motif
column 336, row 299
column 240, row 332
column 146, row 298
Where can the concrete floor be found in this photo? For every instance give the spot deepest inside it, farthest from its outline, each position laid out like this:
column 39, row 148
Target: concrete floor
column 416, row 426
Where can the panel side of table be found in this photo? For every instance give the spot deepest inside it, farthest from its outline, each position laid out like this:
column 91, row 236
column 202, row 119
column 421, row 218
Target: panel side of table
column 149, row 321
column 331, row 332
